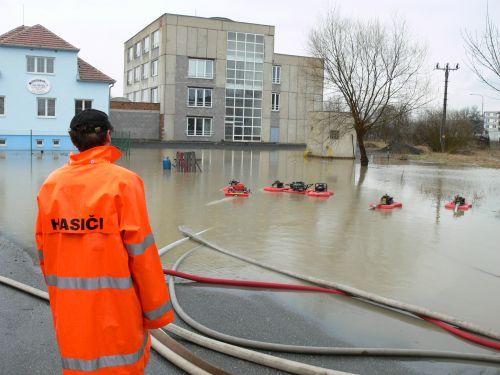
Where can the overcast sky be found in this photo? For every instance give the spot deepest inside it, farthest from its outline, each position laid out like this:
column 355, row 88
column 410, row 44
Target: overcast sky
column 100, row 28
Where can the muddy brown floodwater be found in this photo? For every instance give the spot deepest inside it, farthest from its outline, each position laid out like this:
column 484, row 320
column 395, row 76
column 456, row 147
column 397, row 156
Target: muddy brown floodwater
column 422, row 254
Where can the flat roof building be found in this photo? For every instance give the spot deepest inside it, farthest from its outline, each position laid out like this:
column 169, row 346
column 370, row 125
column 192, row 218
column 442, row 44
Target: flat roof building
column 217, row 79
column 492, row 125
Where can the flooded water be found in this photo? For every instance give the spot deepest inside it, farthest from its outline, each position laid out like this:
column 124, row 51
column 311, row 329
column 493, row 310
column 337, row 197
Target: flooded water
column 422, row 253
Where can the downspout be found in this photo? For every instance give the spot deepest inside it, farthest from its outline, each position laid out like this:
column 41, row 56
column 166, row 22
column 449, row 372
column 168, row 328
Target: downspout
column 109, row 97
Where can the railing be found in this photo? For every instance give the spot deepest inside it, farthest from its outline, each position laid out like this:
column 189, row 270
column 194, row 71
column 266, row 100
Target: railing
column 122, row 140
column 194, row 133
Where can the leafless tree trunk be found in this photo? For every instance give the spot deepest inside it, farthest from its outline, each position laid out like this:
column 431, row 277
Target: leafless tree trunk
column 371, row 67
column 483, row 52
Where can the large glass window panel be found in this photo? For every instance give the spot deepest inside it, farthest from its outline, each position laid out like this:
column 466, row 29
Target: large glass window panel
column 154, row 68
column 40, row 65
column 191, row 97
column 50, row 65
column 190, row 125
column 41, row 107
column 244, row 74
column 276, row 74
column 199, row 126
column 208, row 98
column 156, row 38
column 30, row 64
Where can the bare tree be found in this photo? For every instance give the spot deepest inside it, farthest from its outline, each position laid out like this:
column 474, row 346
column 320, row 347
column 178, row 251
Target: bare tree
column 371, row 67
column 483, row 53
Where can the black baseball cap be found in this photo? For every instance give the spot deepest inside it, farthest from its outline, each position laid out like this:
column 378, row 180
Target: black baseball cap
column 90, row 121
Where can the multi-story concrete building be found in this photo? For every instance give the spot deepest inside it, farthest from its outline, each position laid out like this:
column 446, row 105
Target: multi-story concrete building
column 217, row 79
column 492, row 125
column 43, row 83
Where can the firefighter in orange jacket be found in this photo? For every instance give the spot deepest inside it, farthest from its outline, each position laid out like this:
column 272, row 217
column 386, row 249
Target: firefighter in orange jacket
column 99, row 258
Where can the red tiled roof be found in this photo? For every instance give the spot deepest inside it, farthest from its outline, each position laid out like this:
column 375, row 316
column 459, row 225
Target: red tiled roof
column 34, row 36
column 88, row 73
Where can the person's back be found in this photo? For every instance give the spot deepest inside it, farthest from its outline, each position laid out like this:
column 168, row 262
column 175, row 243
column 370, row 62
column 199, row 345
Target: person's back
column 100, row 263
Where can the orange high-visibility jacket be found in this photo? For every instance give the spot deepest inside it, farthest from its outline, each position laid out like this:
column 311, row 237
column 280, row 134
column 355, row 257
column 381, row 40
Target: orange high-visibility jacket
column 101, row 264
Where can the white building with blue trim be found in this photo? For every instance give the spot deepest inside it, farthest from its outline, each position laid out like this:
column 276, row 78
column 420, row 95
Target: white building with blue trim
column 43, row 84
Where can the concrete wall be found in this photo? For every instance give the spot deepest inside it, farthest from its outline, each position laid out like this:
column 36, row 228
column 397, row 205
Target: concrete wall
column 319, row 142
column 301, row 84
column 141, row 120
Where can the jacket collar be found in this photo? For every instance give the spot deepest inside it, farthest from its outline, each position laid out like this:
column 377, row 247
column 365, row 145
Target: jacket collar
column 99, row 154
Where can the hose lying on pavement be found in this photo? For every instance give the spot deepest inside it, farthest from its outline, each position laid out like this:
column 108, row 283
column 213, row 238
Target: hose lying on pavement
column 260, row 358
column 159, row 347
column 311, row 288
column 283, row 364
column 181, row 350
column 359, row 294
column 387, row 352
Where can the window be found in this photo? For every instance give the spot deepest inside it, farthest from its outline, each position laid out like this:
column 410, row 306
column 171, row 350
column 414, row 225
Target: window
column 145, row 43
column 36, row 64
column 3, row 142
column 56, row 142
column 39, row 142
column 276, row 74
column 2, row 105
column 130, row 53
column 156, row 39
column 130, row 77
column 130, row 96
column 244, row 84
column 81, row 104
column 275, row 105
column 145, row 71
column 46, row 107
column 137, row 96
column 138, row 49
column 137, row 73
column 145, row 95
column 199, row 97
column 199, row 126
column 199, row 68
column 334, row 134
column 154, row 95
column 154, row 68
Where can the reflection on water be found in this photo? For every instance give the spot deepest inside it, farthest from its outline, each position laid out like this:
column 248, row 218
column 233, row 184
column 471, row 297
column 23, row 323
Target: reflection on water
column 421, row 253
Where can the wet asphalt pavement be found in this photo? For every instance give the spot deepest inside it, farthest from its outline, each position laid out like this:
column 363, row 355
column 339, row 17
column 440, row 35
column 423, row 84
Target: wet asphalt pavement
column 27, row 343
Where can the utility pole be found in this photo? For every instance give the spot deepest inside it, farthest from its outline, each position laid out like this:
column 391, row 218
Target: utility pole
column 446, row 74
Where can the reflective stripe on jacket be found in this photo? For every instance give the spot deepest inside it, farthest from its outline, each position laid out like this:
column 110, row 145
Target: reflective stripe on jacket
column 101, row 264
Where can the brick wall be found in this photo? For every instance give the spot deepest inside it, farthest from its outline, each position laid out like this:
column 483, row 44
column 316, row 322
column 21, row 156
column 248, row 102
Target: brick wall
column 135, row 105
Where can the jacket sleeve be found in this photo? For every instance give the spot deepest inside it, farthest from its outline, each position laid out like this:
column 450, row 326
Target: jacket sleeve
column 144, row 261
column 39, row 240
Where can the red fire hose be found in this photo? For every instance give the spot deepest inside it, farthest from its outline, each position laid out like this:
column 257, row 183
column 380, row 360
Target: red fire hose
column 260, row 284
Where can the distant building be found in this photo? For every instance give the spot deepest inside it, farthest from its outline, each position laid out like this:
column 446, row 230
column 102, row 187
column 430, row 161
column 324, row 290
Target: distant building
column 331, row 135
column 217, row 79
column 43, row 83
column 492, row 125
